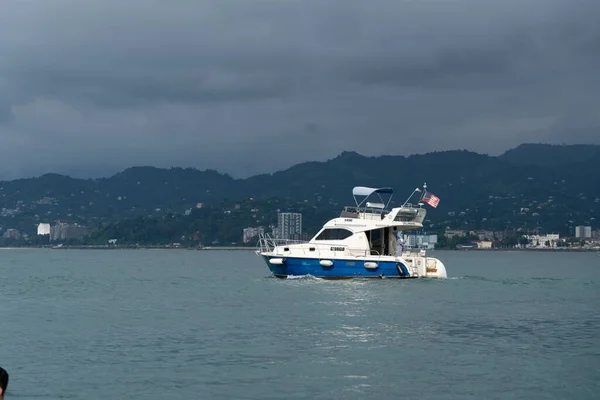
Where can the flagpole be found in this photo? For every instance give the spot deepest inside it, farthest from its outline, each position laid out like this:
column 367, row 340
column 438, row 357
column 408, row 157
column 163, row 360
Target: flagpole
column 409, row 197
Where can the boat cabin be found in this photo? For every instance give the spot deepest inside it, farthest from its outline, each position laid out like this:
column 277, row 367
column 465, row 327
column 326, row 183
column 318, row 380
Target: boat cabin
column 368, row 228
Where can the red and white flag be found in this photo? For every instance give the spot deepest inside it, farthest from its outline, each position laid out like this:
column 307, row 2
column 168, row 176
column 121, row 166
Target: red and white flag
column 431, row 199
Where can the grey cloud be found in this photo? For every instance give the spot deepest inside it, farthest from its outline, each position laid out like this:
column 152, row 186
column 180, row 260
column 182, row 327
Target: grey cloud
column 447, row 69
column 250, row 87
column 127, row 89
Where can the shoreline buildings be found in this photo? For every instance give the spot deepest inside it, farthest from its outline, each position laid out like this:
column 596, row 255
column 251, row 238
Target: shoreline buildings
column 583, row 232
column 289, row 226
column 62, row 231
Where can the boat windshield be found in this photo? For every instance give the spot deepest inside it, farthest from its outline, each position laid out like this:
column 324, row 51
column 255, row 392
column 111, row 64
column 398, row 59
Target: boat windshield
column 334, row 234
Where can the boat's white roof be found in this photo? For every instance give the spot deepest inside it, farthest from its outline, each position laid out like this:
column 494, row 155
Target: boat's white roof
column 367, row 191
column 362, row 224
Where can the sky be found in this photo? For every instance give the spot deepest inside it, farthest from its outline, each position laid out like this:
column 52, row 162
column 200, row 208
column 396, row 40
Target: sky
column 88, row 88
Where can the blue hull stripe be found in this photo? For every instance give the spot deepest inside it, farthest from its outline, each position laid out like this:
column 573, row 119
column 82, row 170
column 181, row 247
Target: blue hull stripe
column 339, row 270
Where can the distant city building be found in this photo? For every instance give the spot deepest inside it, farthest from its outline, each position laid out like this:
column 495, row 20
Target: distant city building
column 484, row 244
column 421, row 241
column 43, row 229
column 56, row 231
column 250, row 233
column 452, row 233
column 549, row 240
column 583, row 231
column 289, row 226
column 11, row 233
column 63, row 231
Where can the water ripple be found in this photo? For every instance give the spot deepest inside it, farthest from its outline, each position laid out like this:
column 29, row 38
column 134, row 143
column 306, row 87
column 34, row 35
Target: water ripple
column 173, row 325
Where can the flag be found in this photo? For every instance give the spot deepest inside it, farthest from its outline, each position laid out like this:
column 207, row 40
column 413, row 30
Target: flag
column 417, row 190
column 431, row 199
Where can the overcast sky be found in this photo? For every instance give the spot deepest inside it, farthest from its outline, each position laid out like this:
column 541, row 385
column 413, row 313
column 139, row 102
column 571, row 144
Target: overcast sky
column 90, row 87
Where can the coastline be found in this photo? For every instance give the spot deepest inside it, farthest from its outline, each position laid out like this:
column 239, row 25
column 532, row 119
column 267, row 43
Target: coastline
column 242, row 248
column 561, row 249
column 127, row 247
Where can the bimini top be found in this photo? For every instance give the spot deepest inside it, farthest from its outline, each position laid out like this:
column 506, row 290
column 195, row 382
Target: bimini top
column 368, row 191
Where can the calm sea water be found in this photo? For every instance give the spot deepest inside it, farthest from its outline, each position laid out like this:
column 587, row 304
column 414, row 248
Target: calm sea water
column 213, row 325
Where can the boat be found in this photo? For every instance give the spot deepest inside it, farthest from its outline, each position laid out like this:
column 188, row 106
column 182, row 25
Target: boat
column 360, row 243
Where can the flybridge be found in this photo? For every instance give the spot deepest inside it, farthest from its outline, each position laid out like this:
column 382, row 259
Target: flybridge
column 369, row 210
column 364, row 209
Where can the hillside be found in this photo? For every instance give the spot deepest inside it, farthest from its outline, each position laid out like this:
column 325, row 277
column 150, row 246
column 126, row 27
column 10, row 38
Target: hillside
column 476, row 190
column 545, row 155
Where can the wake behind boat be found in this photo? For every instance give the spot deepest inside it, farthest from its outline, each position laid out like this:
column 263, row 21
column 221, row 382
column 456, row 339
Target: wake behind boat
column 363, row 242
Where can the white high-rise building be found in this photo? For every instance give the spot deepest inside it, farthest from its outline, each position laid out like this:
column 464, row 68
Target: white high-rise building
column 43, row 229
column 583, row 231
column 289, row 225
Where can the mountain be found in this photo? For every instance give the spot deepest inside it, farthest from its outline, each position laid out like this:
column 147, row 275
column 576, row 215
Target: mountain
column 533, row 185
column 545, row 155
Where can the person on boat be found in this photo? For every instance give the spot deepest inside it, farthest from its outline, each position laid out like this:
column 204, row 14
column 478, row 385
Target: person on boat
column 399, row 244
column 3, row 382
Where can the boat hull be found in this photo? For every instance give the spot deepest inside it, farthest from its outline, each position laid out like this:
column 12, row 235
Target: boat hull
column 339, row 268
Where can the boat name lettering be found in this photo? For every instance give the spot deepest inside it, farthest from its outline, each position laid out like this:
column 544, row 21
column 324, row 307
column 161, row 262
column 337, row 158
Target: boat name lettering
column 348, row 220
column 337, row 249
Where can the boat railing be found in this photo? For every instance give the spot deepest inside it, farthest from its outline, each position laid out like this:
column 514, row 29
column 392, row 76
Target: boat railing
column 367, row 253
column 411, row 205
column 267, row 243
column 355, row 212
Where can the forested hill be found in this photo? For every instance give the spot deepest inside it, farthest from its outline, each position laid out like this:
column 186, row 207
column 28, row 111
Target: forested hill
column 546, row 155
column 559, row 182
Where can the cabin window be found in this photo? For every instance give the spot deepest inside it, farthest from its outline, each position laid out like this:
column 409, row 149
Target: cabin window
column 334, row 234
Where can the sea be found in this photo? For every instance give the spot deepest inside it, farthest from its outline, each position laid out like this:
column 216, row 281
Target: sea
column 183, row 324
